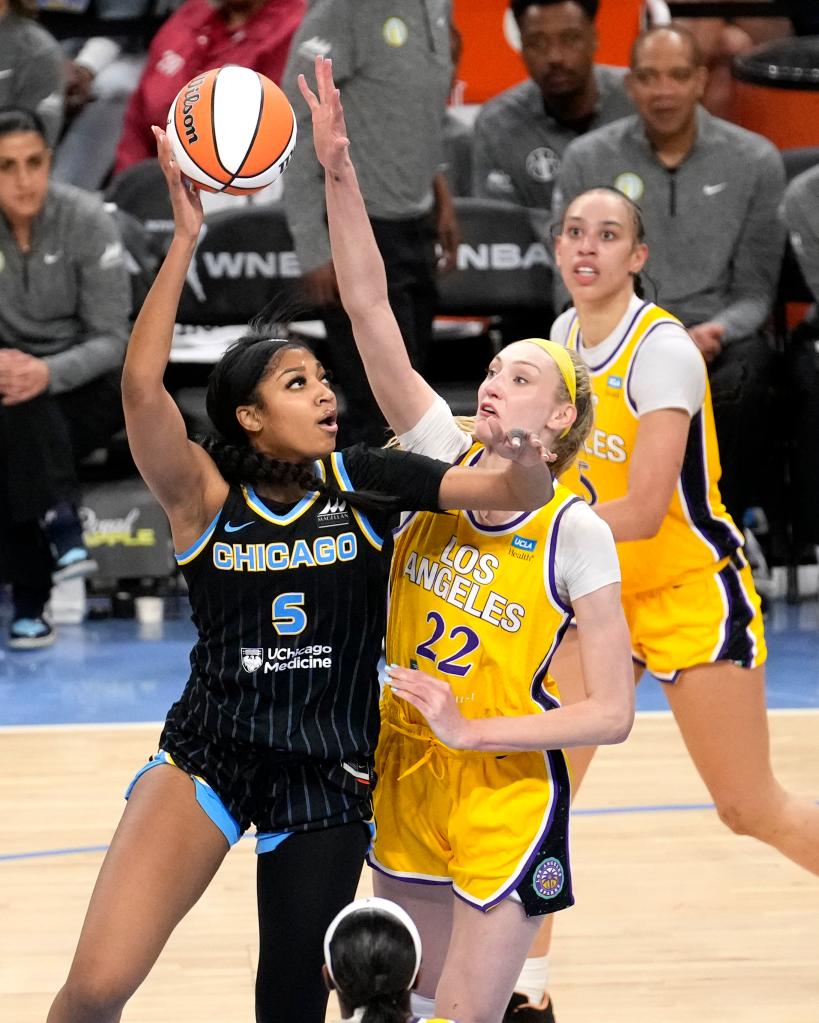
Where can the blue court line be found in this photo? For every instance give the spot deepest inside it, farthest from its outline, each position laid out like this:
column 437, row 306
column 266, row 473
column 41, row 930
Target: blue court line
column 53, row 852
column 601, row 811
column 592, row 812
column 597, row 811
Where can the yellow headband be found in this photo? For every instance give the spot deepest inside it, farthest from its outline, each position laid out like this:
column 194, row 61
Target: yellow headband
column 564, row 363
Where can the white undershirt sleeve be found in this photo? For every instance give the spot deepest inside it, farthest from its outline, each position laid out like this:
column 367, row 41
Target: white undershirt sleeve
column 560, row 328
column 436, row 434
column 585, row 555
column 668, row 372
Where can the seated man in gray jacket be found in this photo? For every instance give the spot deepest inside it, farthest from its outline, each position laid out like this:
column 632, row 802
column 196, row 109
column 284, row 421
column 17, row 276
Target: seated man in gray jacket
column 64, row 307
column 710, row 193
column 521, row 134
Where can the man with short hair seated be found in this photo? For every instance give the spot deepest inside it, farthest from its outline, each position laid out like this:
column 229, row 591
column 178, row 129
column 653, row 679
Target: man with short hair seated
column 521, row 134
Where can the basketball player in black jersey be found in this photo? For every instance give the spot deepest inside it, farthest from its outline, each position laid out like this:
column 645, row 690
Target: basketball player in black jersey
column 285, row 548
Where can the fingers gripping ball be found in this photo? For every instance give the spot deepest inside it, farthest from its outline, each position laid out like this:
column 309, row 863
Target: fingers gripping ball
column 231, row 130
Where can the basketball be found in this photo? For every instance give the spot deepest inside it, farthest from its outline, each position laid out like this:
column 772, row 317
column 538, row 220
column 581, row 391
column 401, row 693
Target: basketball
column 231, row 130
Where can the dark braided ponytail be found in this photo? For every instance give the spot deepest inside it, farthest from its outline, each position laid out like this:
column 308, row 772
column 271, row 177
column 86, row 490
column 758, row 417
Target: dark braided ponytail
column 235, row 381
column 373, row 965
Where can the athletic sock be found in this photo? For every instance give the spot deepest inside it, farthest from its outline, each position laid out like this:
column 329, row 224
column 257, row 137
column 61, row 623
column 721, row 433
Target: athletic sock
column 421, row 1006
column 534, row 979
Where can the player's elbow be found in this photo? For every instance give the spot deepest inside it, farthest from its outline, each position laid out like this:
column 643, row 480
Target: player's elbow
column 621, row 726
column 617, row 720
column 648, row 519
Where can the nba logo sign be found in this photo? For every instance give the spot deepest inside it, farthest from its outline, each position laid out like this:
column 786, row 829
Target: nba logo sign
column 252, row 657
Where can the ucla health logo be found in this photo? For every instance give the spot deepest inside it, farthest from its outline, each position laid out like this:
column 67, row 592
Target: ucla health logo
column 614, row 382
column 524, row 543
column 549, row 879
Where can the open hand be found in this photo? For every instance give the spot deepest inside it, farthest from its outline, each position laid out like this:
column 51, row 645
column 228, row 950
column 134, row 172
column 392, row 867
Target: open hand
column 435, row 700
column 187, row 206
column 329, row 130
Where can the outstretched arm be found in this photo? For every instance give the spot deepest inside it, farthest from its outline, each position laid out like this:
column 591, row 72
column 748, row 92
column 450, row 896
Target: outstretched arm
column 179, row 473
column 402, row 394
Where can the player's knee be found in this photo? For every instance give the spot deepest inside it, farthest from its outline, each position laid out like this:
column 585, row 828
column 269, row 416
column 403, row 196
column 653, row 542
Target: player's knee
column 95, row 996
column 742, row 818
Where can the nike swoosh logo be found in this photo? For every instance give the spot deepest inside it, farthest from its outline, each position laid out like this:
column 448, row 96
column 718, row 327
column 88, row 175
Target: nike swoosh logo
column 230, row 528
column 51, row 257
column 714, row 189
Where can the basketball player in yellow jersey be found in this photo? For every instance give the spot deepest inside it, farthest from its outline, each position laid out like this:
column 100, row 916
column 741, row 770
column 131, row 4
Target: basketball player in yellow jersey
column 651, row 470
column 472, row 798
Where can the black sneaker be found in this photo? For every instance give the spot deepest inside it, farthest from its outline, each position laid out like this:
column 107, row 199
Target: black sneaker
column 521, row 1010
column 30, row 634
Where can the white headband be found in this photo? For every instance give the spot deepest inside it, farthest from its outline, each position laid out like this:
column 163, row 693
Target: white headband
column 382, row 906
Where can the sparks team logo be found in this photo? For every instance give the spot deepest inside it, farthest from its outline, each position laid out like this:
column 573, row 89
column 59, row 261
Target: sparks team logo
column 252, row 658
column 334, row 513
column 395, row 32
column 542, row 164
column 630, row 184
column 549, row 878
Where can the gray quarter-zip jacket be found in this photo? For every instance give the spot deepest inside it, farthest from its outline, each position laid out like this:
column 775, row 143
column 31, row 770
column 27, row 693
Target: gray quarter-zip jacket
column 67, row 300
column 714, row 235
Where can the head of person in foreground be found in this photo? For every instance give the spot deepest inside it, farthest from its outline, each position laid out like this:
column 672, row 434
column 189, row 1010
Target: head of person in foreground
column 372, row 954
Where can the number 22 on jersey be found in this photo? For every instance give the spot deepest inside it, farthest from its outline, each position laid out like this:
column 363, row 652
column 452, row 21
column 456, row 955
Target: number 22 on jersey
column 457, row 643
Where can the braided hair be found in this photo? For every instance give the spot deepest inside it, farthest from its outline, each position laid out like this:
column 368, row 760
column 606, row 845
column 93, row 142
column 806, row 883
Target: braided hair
column 235, row 381
column 374, row 962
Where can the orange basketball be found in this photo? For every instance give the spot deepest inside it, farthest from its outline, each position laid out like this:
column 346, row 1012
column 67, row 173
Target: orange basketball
column 231, row 130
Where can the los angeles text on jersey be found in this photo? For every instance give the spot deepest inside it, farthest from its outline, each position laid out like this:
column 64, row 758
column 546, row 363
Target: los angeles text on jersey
column 459, row 576
column 274, row 557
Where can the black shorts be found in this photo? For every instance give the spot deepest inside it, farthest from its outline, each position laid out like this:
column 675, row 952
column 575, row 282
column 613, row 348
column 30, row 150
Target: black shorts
column 274, row 790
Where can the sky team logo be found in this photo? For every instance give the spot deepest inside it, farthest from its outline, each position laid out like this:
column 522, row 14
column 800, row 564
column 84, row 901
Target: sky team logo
column 630, row 184
column 549, row 879
column 395, row 32
column 334, row 513
column 252, row 658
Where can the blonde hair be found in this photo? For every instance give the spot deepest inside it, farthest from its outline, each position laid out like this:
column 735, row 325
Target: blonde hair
column 566, row 447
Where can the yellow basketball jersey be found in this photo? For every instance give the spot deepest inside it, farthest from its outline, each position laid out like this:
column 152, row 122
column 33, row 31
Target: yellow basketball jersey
column 461, row 593
column 697, row 531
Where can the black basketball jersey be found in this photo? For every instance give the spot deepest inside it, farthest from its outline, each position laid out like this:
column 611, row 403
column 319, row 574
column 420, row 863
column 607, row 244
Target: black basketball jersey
column 290, row 605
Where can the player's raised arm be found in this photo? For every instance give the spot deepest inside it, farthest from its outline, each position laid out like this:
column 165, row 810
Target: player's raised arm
column 403, row 395
column 179, row 473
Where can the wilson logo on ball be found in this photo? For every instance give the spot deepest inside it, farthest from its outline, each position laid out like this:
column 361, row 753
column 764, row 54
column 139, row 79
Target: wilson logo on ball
column 231, row 130
column 190, row 99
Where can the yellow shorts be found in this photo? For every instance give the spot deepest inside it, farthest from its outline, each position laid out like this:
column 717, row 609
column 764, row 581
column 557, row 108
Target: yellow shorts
column 488, row 825
column 713, row 616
